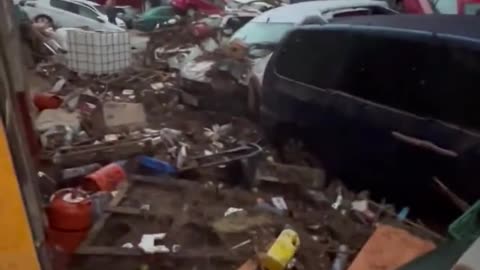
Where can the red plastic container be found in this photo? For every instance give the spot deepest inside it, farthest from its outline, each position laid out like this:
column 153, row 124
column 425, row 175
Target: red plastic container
column 46, row 101
column 70, row 210
column 106, row 178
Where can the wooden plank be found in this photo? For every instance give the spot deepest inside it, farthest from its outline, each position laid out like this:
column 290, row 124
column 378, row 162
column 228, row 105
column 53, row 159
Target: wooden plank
column 123, row 210
column 109, row 251
column 188, row 254
column 97, row 227
column 292, row 174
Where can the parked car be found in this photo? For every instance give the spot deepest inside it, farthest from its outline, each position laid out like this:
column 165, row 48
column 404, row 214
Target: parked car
column 70, row 13
column 103, row 13
column 264, row 32
column 189, row 7
column 390, row 100
column 149, row 20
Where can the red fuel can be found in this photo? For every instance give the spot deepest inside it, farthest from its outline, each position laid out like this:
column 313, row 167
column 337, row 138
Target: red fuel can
column 46, row 101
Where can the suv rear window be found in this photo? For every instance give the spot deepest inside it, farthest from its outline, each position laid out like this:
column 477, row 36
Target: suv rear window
column 413, row 75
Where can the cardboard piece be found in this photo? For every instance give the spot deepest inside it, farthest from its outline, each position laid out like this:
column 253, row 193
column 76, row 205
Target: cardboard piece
column 389, row 248
column 119, row 116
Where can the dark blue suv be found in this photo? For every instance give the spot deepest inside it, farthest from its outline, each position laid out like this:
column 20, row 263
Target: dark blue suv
column 383, row 99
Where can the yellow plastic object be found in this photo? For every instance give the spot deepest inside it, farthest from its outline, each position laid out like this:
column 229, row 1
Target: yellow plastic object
column 282, row 251
column 17, row 251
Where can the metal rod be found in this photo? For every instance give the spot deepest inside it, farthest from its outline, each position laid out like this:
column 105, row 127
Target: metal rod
column 454, row 198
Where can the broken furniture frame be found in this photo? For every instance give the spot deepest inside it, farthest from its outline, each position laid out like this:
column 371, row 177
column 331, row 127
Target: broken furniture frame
column 241, row 153
column 87, row 248
column 121, row 149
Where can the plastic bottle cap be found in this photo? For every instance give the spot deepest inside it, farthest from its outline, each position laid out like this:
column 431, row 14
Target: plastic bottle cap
column 343, row 248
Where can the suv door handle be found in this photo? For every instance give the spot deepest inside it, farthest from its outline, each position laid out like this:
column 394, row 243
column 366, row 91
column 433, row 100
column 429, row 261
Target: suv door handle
column 31, row 4
column 424, row 144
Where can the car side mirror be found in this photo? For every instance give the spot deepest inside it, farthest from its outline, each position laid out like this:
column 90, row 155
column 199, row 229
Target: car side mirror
column 99, row 19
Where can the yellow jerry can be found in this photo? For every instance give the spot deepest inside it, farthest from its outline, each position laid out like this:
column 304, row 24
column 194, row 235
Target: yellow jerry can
column 282, row 251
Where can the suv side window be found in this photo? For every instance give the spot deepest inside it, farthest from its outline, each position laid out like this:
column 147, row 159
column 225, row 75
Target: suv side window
column 397, row 72
column 457, row 91
column 415, row 75
column 313, row 57
column 418, row 75
column 383, row 70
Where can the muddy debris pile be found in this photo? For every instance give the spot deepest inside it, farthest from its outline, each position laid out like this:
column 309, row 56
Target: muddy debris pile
column 163, row 183
column 212, row 72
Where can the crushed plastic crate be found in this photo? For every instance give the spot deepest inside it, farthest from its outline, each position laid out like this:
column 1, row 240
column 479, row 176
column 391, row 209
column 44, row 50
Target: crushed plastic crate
column 467, row 225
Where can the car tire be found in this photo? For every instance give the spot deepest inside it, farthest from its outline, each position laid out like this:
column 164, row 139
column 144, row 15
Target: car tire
column 44, row 19
column 253, row 99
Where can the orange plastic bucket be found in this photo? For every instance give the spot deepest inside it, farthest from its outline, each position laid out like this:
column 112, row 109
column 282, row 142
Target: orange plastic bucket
column 106, row 178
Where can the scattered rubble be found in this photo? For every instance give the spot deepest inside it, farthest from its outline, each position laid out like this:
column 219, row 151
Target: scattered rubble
column 153, row 152
column 209, row 213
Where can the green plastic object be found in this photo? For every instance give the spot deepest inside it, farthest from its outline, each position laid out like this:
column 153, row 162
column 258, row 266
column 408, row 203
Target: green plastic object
column 467, row 225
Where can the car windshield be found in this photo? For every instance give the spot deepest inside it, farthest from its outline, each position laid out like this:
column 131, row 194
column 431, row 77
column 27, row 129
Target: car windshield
column 258, row 33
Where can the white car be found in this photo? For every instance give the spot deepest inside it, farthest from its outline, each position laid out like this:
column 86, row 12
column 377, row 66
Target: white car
column 264, row 32
column 70, row 13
